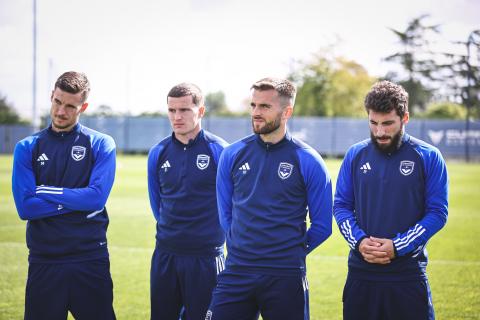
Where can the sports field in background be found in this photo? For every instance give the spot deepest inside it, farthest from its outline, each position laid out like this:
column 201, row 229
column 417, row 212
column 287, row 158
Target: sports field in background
column 454, row 268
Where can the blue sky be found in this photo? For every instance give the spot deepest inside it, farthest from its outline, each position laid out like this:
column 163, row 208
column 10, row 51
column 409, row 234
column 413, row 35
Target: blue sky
column 134, row 51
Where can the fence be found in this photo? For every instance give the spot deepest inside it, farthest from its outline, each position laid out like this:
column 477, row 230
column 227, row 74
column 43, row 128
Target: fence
column 329, row 136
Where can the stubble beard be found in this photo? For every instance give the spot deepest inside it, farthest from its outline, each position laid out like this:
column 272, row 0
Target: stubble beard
column 269, row 127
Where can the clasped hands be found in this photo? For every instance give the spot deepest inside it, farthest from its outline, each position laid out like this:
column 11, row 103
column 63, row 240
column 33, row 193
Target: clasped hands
column 377, row 250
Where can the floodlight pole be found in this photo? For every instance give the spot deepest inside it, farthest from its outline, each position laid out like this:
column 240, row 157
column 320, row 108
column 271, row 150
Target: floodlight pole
column 470, row 41
column 34, row 72
column 467, row 119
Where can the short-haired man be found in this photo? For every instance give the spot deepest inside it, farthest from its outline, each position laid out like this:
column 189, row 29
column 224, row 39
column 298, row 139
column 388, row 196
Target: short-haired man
column 391, row 198
column 182, row 170
column 61, row 180
column 266, row 183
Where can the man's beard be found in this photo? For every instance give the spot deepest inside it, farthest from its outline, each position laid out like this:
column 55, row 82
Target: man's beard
column 394, row 145
column 269, row 127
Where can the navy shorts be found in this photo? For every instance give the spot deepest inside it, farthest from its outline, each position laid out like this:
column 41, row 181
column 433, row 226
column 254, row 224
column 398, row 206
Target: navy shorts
column 243, row 296
column 181, row 286
column 83, row 288
column 387, row 300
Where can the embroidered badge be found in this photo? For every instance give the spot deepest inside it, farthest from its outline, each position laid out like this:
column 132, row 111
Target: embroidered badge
column 78, row 152
column 406, row 167
column 202, row 161
column 285, row 170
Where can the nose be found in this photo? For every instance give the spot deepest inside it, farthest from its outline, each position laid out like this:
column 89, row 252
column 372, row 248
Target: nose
column 61, row 110
column 177, row 116
column 380, row 131
column 255, row 111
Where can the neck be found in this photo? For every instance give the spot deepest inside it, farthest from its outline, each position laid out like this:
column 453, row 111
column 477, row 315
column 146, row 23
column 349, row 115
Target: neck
column 275, row 136
column 68, row 129
column 185, row 138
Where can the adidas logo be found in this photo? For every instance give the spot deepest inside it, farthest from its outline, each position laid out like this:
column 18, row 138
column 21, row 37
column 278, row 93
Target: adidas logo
column 43, row 157
column 166, row 165
column 366, row 167
column 244, row 168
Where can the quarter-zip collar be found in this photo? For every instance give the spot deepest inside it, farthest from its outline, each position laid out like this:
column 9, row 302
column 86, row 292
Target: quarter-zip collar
column 268, row 145
column 75, row 129
column 191, row 142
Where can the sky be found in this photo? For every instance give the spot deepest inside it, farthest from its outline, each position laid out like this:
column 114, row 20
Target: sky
column 133, row 52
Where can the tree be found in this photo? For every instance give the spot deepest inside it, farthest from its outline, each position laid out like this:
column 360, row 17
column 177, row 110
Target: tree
column 8, row 115
column 215, row 103
column 331, row 87
column 417, row 61
column 460, row 74
column 445, row 110
column 103, row 111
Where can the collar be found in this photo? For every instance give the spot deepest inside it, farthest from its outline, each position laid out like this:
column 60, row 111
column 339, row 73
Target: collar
column 268, row 145
column 75, row 129
column 191, row 142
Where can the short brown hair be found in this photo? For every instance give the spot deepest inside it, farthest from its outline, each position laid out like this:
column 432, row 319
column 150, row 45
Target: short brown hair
column 285, row 89
column 386, row 96
column 74, row 82
column 187, row 89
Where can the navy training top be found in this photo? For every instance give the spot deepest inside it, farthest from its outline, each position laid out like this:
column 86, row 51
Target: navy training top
column 60, row 183
column 181, row 186
column 264, row 192
column 401, row 196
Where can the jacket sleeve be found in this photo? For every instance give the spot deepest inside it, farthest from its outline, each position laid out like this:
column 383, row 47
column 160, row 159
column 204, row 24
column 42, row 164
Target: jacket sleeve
column 153, row 183
column 94, row 196
column 217, row 148
column 225, row 190
column 29, row 205
column 344, row 204
column 319, row 197
column 436, row 206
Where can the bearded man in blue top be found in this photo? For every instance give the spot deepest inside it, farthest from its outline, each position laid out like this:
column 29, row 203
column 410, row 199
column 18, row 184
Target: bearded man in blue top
column 391, row 198
column 267, row 183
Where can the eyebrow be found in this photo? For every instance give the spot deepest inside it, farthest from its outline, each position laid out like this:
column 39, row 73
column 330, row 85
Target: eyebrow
column 260, row 104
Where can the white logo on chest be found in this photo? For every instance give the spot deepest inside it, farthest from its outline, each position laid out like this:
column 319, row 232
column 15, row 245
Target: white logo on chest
column 166, row 165
column 78, row 152
column 203, row 161
column 366, row 167
column 285, row 170
column 42, row 158
column 406, row 167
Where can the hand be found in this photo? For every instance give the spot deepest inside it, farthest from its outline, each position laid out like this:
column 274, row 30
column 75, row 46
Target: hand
column 377, row 250
column 386, row 245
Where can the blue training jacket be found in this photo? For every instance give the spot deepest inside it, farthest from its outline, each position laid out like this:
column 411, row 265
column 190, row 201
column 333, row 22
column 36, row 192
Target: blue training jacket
column 401, row 196
column 60, row 184
column 263, row 193
column 181, row 186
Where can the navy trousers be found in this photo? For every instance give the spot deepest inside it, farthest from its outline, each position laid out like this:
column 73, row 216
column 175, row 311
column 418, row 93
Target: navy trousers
column 181, row 286
column 243, row 296
column 387, row 300
column 83, row 288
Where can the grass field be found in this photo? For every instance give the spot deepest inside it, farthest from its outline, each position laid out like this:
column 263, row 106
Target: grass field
column 454, row 268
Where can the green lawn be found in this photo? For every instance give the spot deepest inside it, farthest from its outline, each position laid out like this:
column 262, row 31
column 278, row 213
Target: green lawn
column 454, row 269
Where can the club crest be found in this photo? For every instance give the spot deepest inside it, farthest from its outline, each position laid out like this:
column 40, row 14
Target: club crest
column 406, row 167
column 203, row 161
column 78, row 152
column 285, row 170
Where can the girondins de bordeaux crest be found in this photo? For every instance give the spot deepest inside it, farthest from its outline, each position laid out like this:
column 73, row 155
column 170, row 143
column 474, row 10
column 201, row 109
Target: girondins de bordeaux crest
column 406, row 167
column 285, row 170
column 202, row 161
column 78, row 152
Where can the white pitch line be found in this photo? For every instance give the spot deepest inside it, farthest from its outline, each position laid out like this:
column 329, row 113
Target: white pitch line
column 321, row 257
column 430, row 262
